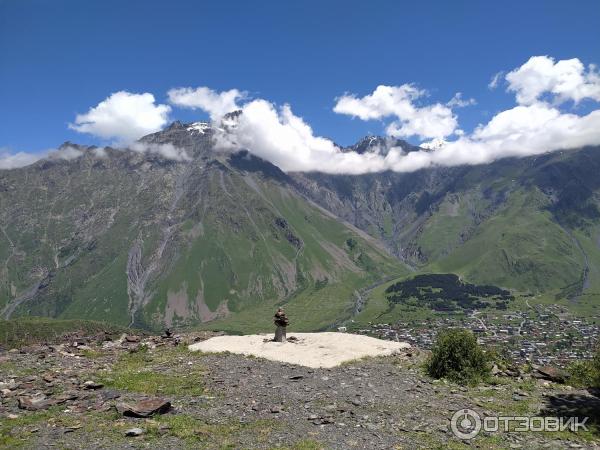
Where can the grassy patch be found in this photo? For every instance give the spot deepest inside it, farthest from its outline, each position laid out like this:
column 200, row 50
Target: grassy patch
column 306, row 444
column 92, row 354
column 197, row 432
column 16, row 432
column 25, row 331
column 165, row 372
column 12, row 369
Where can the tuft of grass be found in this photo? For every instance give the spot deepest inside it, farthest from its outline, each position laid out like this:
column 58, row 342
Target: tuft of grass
column 92, row 354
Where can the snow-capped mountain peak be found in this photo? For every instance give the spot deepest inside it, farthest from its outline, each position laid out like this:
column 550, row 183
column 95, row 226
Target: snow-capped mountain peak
column 198, row 127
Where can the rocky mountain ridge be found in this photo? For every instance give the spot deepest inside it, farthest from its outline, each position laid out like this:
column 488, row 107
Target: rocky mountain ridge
column 172, row 231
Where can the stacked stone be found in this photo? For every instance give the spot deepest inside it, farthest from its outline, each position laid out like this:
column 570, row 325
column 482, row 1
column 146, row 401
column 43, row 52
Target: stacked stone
column 281, row 322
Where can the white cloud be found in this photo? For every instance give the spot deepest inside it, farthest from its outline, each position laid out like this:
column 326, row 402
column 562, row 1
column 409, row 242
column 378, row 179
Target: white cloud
column 69, row 153
column 167, row 151
column 459, row 102
column 538, row 123
column 567, row 79
column 22, row 159
column 520, row 131
column 123, row 116
column 66, row 152
column 215, row 103
column 16, row 160
column 431, row 121
column 495, row 81
column 384, row 101
column 286, row 140
column 435, row 121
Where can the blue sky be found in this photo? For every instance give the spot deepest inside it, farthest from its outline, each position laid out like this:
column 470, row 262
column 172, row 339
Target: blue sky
column 59, row 58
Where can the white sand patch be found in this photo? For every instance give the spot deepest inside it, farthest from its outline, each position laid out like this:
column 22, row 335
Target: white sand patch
column 310, row 349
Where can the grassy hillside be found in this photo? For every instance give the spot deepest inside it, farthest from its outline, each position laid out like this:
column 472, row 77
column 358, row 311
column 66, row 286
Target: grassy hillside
column 218, row 242
column 529, row 224
column 30, row 330
column 520, row 247
column 138, row 241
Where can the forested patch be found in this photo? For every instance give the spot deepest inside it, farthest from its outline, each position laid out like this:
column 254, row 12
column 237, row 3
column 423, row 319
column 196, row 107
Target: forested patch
column 446, row 292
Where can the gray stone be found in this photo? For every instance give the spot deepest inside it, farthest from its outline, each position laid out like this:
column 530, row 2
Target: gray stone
column 134, row 432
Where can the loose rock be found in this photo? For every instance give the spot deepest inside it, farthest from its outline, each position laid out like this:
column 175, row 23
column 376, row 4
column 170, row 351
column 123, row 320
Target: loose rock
column 144, row 408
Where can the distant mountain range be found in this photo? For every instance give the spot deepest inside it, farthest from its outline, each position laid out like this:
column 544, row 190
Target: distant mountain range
column 155, row 237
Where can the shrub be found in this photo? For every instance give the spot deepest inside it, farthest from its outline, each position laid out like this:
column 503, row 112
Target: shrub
column 457, row 356
column 582, row 374
column 586, row 373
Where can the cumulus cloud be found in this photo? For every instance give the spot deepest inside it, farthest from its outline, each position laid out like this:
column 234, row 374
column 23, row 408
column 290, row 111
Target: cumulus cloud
column 124, row 117
column 215, row 103
column 563, row 80
column 532, row 127
column 520, row 131
column 431, row 121
column 538, row 123
column 286, row 140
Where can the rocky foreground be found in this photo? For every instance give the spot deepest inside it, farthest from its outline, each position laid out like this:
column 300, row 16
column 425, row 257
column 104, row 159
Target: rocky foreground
column 151, row 392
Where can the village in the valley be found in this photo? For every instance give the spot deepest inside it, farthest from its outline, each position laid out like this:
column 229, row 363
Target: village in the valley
column 542, row 334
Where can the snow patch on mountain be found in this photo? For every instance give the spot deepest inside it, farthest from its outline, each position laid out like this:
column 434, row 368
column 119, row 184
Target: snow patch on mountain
column 434, row 144
column 198, row 127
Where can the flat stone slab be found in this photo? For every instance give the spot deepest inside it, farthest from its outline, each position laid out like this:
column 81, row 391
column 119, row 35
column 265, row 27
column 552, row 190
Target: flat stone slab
column 308, row 349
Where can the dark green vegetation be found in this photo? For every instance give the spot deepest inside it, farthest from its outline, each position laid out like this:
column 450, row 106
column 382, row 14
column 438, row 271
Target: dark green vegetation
column 457, row 356
column 219, row 241
column 586, row 373
column 446, row 292
column 24, row 331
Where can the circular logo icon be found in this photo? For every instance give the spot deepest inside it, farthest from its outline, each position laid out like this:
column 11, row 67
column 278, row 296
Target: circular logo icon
column 465, row 424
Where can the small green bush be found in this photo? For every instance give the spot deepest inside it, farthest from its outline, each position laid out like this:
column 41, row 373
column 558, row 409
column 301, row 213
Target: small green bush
column 586, row 373
column 582, row 374
column 458, row 357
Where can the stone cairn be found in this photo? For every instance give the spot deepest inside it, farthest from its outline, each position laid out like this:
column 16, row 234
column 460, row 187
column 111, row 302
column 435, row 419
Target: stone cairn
column 281, row 321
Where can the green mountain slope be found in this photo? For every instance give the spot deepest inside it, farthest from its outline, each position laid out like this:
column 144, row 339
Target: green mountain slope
column 526, row 224
column 219, row 240
column 520, row 247
column 134, row 239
